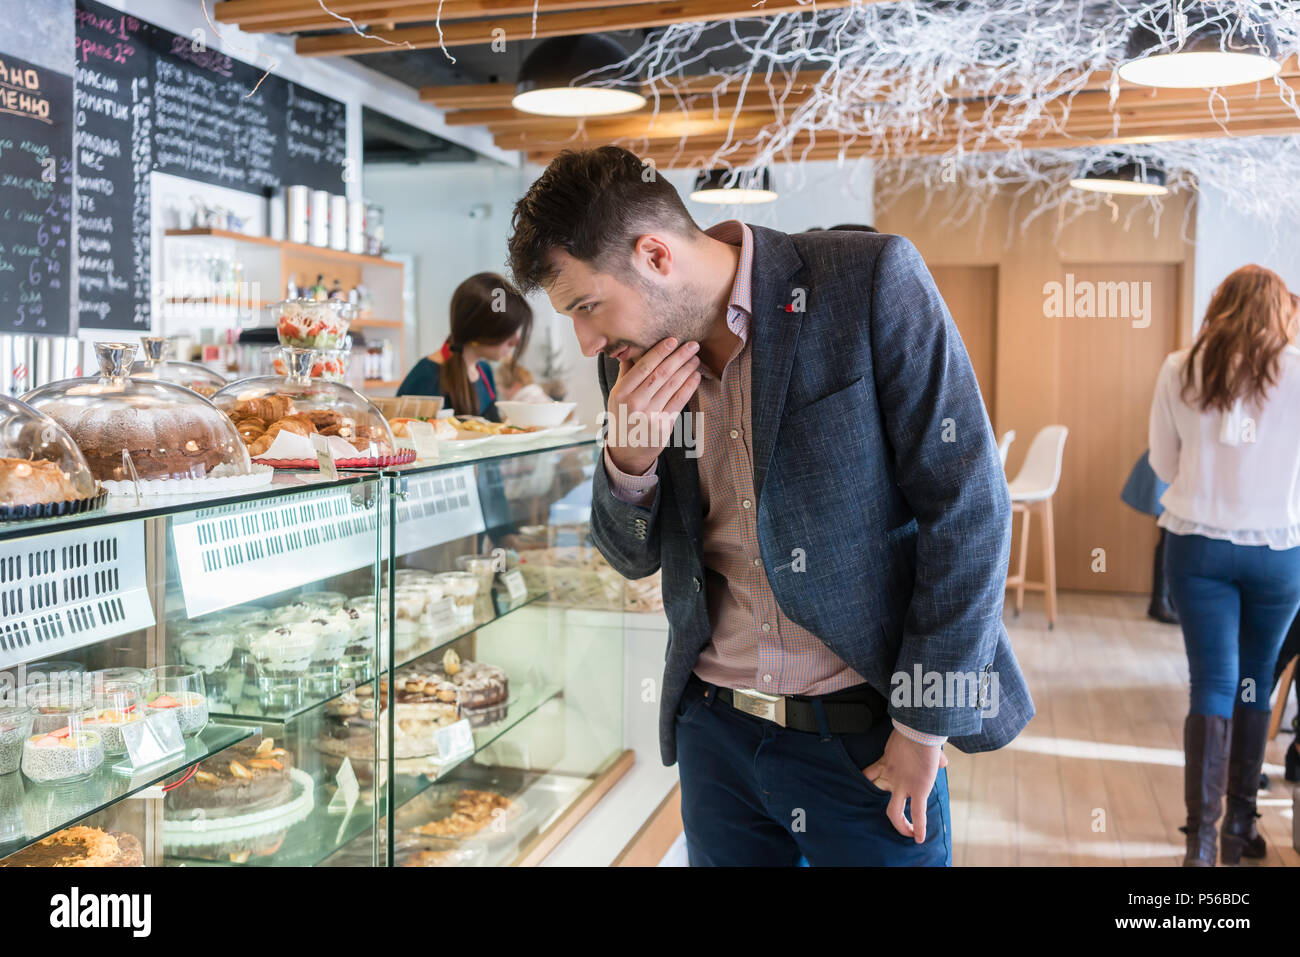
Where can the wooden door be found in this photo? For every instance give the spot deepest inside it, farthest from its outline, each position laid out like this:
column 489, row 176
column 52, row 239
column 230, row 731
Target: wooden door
column 1106, row 373
column 971, row 294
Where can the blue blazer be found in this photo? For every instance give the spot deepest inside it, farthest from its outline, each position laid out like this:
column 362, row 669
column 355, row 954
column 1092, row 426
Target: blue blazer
column 874, row 460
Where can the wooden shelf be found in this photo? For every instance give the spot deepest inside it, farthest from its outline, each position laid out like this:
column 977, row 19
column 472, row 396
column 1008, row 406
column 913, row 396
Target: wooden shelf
column 378, row 323
column 218, row 301
column 294, row 249
column 383, row 383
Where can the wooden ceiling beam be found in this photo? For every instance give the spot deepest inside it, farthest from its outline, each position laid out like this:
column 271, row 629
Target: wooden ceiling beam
column 1129, row 105
column 308, row 17
column 696, row 131
column 512, row 29
column 498, row 96
column 804, row 147
column 507, row 121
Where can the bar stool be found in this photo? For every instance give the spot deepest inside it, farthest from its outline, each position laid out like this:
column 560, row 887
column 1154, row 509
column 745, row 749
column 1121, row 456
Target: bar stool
column 1005, row 445
column 1032, row 490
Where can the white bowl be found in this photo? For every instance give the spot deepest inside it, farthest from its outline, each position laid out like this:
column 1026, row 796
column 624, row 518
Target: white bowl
column 544, row 414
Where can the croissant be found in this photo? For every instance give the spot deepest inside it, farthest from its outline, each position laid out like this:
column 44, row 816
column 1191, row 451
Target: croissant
column 297, row 424
column 268, row 408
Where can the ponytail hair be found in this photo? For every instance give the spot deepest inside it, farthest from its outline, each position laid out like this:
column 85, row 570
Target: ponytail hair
column 484, row 308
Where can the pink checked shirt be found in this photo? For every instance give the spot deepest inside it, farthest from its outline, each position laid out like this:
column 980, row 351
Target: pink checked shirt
column 754, row 645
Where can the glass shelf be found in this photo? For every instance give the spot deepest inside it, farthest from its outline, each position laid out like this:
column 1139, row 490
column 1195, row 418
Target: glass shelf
column 519, row 708
column 251, row 708
column 30, row 812
column 490, row 451
column 484, row 615
column 121, row 508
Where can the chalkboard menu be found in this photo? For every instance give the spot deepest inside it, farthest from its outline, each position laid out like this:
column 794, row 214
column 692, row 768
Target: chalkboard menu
column 114, row 156
column 151, row 100
column 36, row 198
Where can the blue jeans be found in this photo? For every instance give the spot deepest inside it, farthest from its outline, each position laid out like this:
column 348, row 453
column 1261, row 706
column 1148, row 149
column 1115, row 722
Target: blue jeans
column 756, row 794
column 1235, row 603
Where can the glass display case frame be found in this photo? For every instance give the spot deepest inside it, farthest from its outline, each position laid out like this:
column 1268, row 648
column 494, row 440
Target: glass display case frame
column 508, row 778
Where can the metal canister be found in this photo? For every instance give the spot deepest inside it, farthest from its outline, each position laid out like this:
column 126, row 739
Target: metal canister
column 356, row 226
column 277, row 213
column 319, row 224
column 338, row 222
column 298, row 206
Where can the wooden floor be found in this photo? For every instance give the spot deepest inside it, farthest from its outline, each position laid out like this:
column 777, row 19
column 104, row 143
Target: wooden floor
column 1097, row 777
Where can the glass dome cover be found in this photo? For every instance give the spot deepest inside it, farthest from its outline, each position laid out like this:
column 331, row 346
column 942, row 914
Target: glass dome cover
column 276, row 416
column 157, row 365
column 129, row 428
column 41, row 469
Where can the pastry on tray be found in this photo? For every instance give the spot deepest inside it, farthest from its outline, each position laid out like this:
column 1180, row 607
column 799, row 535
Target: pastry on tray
column 250, row 776
column 471, row 812
column 34, row 482
column 80, row 846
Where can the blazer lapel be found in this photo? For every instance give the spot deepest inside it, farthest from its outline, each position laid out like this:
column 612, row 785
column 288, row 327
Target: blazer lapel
column 779, row 303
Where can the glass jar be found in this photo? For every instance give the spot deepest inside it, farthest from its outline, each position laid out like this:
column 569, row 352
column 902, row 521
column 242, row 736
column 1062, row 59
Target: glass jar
column 116, row 706
column 15, row 727
column 178, row 690
column 62, row 748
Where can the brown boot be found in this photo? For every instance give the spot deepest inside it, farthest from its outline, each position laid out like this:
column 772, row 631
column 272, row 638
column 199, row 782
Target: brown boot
column 1206, row 741
column 1241, row 837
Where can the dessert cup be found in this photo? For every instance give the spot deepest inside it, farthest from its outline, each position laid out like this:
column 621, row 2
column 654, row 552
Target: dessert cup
column 15, row 727
column 61, row 749
column 179, row 689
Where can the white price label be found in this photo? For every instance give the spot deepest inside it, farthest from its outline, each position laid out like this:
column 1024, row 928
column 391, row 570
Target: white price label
column 426, row 443
column 349, row 790
column 514, row 582
column 154, row 739
column 454, row 741
column 325, row 456
column 441, row 617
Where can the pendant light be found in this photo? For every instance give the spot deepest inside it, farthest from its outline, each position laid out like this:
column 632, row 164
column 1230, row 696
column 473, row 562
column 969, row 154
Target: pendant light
column 546, row 84
column 1219, row 49
column 1123, row 176
column 724, row 186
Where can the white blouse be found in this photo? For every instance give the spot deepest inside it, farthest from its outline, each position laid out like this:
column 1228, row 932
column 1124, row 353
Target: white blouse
column 1232, row 475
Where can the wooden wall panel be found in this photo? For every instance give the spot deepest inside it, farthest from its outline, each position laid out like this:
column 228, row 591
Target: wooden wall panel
column 1032, row 349
column 971, row 294
column 1107, row 369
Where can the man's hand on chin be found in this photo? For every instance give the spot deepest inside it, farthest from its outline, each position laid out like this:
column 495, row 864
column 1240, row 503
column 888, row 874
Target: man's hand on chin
column 907, row 770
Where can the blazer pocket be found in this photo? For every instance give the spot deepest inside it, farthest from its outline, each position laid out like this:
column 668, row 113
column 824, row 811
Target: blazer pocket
column 832, row 407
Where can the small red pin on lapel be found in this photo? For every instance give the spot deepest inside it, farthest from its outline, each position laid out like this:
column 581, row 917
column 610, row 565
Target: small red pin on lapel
column 789, row 307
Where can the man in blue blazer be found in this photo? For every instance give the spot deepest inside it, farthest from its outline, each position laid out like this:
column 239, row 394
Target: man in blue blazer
column 796, row 439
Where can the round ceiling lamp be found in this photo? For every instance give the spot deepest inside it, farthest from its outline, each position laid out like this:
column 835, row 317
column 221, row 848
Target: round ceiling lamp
column 725, row 186
column 547, row 77
column 1125, row 177
column 1219, row 49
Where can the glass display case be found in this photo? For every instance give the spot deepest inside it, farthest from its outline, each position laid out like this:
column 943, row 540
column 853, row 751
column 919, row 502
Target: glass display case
column 375, row 670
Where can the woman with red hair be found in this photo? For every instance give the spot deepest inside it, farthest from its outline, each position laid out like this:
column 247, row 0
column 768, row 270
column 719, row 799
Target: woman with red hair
column 1223, row 435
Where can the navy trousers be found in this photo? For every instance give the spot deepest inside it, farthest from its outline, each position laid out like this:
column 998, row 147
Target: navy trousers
column 756, row 794
column 1235, row 603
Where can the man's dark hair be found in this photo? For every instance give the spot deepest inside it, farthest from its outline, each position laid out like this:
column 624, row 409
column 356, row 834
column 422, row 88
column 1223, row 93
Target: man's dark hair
column 856, row 228
column 593, row 204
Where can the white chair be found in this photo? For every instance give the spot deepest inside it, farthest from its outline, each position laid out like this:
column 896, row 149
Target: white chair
column 1032, row 490
column 1005, row 445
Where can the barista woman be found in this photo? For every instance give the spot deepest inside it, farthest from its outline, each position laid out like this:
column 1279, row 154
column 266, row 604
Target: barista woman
column 490, row 322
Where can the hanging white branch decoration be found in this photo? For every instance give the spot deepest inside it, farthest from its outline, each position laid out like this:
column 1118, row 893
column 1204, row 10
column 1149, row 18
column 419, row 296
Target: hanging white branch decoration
column 992, row 87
